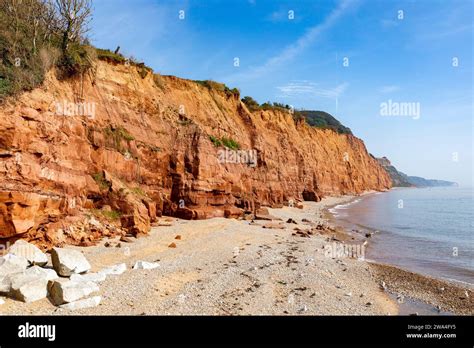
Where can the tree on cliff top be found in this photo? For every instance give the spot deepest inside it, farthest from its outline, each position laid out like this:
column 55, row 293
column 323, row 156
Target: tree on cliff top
column 74, row 17
column 38, row 34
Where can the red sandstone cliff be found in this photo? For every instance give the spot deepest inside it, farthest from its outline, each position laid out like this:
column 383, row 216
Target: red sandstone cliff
column 148, row 149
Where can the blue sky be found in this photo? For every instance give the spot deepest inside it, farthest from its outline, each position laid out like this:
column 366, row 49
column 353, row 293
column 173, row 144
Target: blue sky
column 405, row 57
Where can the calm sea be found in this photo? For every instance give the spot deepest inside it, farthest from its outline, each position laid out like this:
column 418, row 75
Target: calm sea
column 425, row 230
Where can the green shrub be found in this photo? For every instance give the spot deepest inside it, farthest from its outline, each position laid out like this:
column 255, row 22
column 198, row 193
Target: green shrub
column 230, row 143
column 251, row 103
column 109, row 56
column 323, row 120
column 76, row 60
column 224, row 141
column 115, row 135
column 100, row 180
column 215, row 141
column 138, row 191
column 109, row 215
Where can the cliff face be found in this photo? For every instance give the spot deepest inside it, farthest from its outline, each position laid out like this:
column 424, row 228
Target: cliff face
column 141, row 147
column 400, row 179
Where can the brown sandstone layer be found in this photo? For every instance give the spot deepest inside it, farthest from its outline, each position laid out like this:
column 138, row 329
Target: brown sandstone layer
column 147, row 151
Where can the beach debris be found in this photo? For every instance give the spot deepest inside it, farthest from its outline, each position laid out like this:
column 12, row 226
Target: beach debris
column 114, row 270
column 349, row 294
column 2, row 301
column 178, row 237
column 400, row 298
column 126, row 239
column 28, row 287
column 146, row 265
column 303, row 309
column 65, row 291
column 89, row 277
column 69, row 261
column 172, row 245
column 302, row 233
column 30, row 252
column 383, row 286
column 82, row 304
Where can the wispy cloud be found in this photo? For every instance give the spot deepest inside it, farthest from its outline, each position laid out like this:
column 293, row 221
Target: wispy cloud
column 298, row 46
column 389, row 89
column 307, row 89
column 278, row 16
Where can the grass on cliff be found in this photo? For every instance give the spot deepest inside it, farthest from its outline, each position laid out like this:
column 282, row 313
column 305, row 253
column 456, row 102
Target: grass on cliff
column 115, row 135
column 323, row 120
column 100, row 180
column 253, row 105
column 224, row 141
column 220, row 87
column 110, row 215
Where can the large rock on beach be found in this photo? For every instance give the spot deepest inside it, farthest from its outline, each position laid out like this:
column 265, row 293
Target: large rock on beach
column 68, row 261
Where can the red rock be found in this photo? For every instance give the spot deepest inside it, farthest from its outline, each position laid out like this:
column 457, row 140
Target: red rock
column 136, row 140
column 172, row 245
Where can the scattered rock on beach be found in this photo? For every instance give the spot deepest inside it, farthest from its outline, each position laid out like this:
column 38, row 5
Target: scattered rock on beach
column 46, row 273
column 65, row 291
column 172, row 245
column 30, row 252
column 178, row 237
column 11, row 263
column 126, row 239
column 68, row 261
column 291, row 221
column 82, row 304
column 146, row 265
column 28, row 287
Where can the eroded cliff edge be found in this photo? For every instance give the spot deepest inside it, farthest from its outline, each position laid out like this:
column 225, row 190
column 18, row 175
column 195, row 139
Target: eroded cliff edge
column 147, row 151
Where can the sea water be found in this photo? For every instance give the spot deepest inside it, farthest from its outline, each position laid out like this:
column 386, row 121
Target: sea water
column 424, row 230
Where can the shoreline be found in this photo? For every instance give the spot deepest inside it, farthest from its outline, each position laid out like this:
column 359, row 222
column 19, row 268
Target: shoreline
column 239, row 267
column 416, row 288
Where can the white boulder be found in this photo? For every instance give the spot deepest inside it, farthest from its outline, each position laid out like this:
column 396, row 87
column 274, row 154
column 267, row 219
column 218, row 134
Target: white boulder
column 28, row 287
column 146, row 265
column 10, row 262
column 66, row 291
column 69, row 261
column 46, row 273
column 30, row 252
